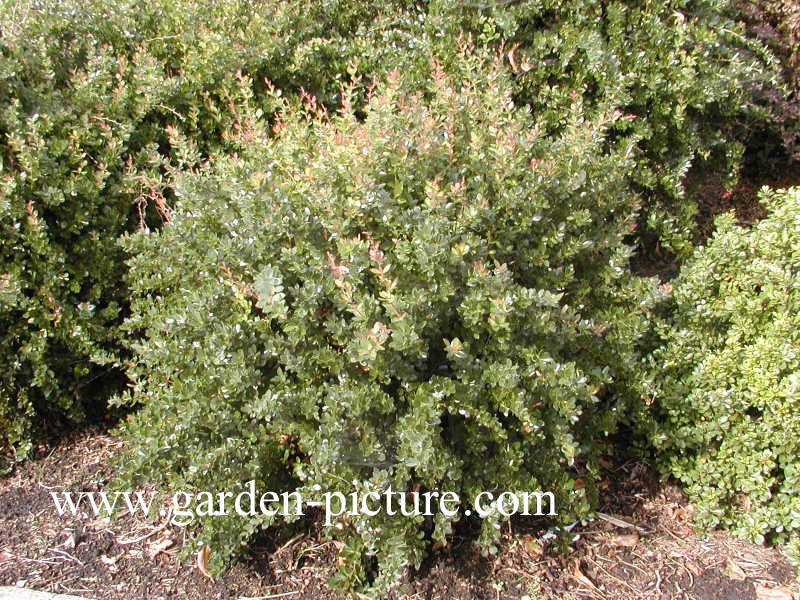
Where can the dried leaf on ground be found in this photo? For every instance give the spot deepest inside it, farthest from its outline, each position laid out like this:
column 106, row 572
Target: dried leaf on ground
column 202, row 561
column 625, row 540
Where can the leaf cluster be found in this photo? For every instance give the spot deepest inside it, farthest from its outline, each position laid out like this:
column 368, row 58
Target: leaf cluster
column 728, row 375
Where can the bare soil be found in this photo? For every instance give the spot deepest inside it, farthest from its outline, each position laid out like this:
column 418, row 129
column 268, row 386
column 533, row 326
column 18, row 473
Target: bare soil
column 641, row 545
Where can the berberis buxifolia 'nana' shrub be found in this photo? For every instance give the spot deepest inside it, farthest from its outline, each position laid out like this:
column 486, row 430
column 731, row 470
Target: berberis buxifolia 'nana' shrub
column 430, row 295
column 729, row 376
column 88, row 89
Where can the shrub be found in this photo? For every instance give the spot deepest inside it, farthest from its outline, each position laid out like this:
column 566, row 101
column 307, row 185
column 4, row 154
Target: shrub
column 683, row 73
column 89, row 91
column 729, row 373
column 430, row 294
column 777, row 26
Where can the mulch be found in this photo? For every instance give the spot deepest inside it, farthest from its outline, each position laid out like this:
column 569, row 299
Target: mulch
column 641, row 545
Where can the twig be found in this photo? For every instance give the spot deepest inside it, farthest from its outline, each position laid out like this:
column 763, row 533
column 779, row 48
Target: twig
column 161, row 37
column 619, row 522
column 72, row 590
column 289, row 543
column 631, row 565
column 691, row 577
column 673, row 536
column 38, row 561
column 270, row 597
column 149, row 535
column 617, row 579
column 67, row 554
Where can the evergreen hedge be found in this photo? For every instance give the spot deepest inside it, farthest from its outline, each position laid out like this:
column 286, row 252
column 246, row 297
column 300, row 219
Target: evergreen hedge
column 682, row 71
column 421, row 283
column 91, row 89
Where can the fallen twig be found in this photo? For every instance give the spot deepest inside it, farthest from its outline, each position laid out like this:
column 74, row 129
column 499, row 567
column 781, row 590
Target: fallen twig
column 270, row 597
column 619, row 522
column 161, row 527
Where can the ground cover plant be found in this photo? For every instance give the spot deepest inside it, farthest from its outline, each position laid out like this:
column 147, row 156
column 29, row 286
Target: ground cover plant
column 728, row 376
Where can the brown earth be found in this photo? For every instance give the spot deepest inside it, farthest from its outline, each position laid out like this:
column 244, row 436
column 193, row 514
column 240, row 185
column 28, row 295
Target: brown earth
column 641, row 545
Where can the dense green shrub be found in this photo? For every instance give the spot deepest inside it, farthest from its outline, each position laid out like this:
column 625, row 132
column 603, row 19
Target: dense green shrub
column 681, row 71
column 430, row 293
column 89, row 92
column 729, row 376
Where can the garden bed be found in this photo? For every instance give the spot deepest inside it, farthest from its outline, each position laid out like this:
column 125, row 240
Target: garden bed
column 641, row 546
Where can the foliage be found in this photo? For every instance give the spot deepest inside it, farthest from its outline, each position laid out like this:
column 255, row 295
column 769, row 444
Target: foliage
column 423, row 283
column 89, row 93
column 729, row 375
column 91, row 89
column 429, row 294
column 681, row 71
